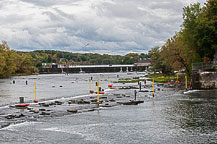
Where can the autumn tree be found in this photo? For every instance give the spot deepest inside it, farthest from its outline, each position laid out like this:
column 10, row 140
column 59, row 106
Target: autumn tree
column 7, row 60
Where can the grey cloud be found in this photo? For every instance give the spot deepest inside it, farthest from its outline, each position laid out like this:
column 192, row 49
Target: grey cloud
column 47, row 3
column 119, row 26
column 121, row 10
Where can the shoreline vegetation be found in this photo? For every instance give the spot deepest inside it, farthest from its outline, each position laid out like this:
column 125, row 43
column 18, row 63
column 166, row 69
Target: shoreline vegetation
column 195, row 42
column 159, row 78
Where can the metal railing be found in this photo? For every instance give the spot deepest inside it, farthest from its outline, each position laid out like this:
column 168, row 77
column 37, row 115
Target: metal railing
column 204, row 66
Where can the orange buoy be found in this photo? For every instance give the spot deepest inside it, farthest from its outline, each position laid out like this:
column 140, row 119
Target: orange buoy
column 110, row 85
column 177, row 81
column 91, row 91
column 36, row 101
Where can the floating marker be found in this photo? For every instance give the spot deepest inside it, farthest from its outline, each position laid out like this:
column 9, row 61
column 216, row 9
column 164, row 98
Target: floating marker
column 90, row 90
column 186, row 82
column 109, row 85
column 177, row 78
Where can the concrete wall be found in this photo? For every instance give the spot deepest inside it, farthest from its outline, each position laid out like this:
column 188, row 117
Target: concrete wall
column 204, row 80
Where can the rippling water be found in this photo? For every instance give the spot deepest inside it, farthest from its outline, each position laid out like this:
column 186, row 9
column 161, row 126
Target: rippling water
column 52, row 86
column 170, row 117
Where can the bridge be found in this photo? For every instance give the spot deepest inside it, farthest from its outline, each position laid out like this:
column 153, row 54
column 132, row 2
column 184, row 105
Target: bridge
column 93, row 68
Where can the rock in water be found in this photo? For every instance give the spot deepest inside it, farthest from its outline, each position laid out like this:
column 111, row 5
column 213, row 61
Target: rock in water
column 34, row 110
column 131, row 102
column 10, row 116
column 44, row 113
column 72, row 110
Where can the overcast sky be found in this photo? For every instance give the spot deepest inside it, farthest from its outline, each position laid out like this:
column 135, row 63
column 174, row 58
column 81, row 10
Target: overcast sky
column 96, row 26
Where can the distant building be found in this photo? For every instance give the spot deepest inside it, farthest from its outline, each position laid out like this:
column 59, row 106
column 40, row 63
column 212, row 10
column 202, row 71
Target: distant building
column 143, row 62
column 54, row 65
column 62, row 66
column 49, row 65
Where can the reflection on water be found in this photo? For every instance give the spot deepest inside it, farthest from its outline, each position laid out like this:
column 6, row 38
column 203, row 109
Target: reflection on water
column 195, row 112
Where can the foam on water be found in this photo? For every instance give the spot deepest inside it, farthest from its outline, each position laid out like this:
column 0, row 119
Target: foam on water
column 192, row 91
column 56, row 129
column 82, row 130
column 16, row 126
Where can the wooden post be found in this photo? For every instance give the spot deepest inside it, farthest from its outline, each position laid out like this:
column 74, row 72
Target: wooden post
column 98, row 93
column 35, row 90
column 99, row 80
column 153, row 87
column 140, row 86
column 186, row 82
column 177, row 77
column 89, row 84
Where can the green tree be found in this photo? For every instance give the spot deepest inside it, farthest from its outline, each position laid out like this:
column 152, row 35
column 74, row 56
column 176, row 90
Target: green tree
column 8, row 59
column 199, row 28
column 156, row 61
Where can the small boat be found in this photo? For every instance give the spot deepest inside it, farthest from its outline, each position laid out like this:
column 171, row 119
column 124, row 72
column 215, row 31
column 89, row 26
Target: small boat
column 21, row 105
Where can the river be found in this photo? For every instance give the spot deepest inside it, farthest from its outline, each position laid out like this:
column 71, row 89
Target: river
column 170, row 117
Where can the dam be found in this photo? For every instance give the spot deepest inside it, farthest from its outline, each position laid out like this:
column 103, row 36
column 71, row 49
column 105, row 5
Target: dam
column 92, row 68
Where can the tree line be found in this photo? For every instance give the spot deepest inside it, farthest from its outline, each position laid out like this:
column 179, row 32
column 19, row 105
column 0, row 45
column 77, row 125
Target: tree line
column 17, row 62
column 195, row 42
column 14, row 62
column 61, row 57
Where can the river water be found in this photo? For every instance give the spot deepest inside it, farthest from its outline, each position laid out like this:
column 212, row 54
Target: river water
column 170, row 117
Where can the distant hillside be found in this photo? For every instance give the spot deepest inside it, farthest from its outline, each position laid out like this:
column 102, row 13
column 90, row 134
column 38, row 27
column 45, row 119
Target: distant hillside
column 23, row 63
column 53, row 56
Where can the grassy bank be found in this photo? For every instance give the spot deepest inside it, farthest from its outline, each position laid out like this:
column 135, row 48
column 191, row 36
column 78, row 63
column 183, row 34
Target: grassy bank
column 164, row 78
column 161, row 78
column 128, row 80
